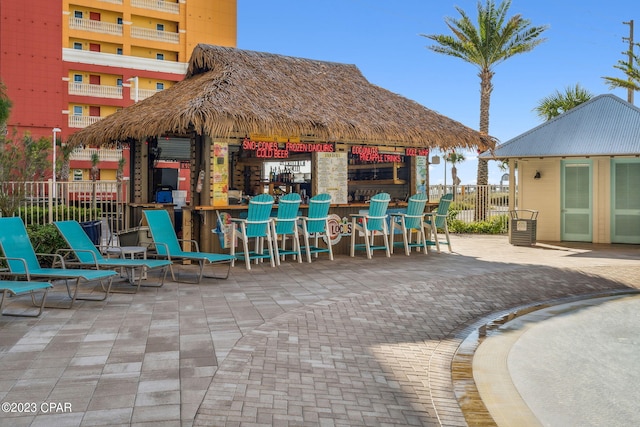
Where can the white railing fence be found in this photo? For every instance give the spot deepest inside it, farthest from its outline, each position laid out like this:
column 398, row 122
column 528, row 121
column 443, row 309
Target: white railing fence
column 44, row 202
column 493, row 200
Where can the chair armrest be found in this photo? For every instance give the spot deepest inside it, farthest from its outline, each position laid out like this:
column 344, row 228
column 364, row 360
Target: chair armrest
column 166, row 255
column 23, row 261
column 55, row 256
column 193, row 242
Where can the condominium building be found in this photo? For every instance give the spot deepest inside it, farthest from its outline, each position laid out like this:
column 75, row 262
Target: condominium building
column 69, row 64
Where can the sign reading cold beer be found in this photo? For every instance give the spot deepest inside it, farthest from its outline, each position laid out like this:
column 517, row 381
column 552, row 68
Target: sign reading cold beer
column 275, row 150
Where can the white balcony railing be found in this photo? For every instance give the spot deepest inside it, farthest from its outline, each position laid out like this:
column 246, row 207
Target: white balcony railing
column 104, row 154
column 98, row 91
column 95, row 26
column 163, row 6
column 82, row 121
column 155, row 35
column 112, row 1
column 143, row 93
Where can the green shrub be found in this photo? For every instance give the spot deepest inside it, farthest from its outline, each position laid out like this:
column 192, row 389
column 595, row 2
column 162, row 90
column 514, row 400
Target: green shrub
column 493, row 225
column 47, row 240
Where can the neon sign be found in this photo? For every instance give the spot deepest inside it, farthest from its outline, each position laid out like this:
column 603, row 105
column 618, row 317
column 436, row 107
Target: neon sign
column 266, row 149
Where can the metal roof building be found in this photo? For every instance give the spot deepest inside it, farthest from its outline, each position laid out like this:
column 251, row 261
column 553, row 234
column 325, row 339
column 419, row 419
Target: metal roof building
column 603, row 126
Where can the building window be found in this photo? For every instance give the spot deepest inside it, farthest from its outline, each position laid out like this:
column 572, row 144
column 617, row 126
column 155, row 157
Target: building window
column 159, row 86
column 77, row 45
column 77, row 78
column 77, row 110
column 119, row 82
column 119, row 51
column 119, row 21
column 160, row 56
column 160, row 27
column 77, row 14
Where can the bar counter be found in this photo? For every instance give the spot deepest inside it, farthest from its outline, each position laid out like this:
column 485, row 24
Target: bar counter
column 205, row 220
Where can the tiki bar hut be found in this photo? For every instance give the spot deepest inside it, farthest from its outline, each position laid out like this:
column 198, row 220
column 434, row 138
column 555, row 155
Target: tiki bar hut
column 253, row 122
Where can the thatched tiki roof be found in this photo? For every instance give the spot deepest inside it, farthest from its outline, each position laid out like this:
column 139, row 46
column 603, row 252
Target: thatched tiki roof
column 228, row 91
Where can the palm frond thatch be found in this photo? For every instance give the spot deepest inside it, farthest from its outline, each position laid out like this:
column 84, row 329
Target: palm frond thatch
column 228, row 91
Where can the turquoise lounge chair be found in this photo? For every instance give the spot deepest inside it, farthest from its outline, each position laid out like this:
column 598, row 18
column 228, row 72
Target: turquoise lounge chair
column 258, row 226
column 167, row 245
column 22, row 261
column 285, row 224
column 371, row 224
column 438, row 220
column 88, row 256
column 409, row 221
column 15, row 288
column 316, row 223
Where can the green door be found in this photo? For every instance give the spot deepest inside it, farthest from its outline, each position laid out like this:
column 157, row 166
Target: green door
column 625, row 201
column 576, row 201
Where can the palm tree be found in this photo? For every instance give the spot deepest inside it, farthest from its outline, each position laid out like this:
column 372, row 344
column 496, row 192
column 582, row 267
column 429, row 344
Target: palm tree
column 558, row 103
column 632, row 82
column 454, row 158
column 495, row 39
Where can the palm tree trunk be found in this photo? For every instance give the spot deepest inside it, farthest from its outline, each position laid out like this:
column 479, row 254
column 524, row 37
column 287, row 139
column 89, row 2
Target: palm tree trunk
column 482, row 178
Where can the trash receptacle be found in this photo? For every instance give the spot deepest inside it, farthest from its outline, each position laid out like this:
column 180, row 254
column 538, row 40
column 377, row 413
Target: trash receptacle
column 93, row 230
column 522, row 230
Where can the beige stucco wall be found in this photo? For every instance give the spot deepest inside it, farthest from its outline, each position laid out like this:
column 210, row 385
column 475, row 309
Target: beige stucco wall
column 541, row 194
column 544, row 195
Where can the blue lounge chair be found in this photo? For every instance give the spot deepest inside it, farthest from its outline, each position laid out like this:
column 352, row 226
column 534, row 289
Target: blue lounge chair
column 371, row 224
column 22, row 261
column 258, row 226
column 438, row 220
column 15, row 288
column 409, row 221
column 167, row 245
column 88, row 256
column 316, row 223
column 285, row 224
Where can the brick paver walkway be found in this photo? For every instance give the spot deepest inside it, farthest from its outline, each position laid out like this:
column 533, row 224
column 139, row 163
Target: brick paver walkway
column 349, row 342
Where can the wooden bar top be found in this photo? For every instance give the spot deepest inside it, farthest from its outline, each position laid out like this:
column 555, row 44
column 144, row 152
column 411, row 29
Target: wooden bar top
column 347, row 205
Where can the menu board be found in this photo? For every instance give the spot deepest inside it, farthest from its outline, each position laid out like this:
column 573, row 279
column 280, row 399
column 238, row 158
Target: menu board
column 220, row 171
column 331, row 176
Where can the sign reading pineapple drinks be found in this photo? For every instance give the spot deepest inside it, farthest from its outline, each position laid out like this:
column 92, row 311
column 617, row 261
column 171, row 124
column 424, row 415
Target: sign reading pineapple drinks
column 331, row 176
column 220, row 174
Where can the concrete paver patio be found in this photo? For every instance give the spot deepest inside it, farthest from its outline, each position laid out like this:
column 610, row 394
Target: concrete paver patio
column 349, row 342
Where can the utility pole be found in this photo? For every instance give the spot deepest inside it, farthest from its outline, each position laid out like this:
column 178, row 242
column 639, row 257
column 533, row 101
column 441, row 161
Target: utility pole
column 630, row 40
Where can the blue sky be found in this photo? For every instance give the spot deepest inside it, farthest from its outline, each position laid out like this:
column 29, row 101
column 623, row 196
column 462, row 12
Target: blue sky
column 383, row 40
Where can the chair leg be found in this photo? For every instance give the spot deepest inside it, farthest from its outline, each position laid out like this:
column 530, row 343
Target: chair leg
column 446, row 233
column 354, row 232
column 245, row 245
column 296, row 244
column 273, row 253
column 305, row 233
column 33, row 301
column 422, row 233
column 434, row 230
column 392, row 235
column 232, row 250
column 385, row 237
column 326, row 232
column 367, row 236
